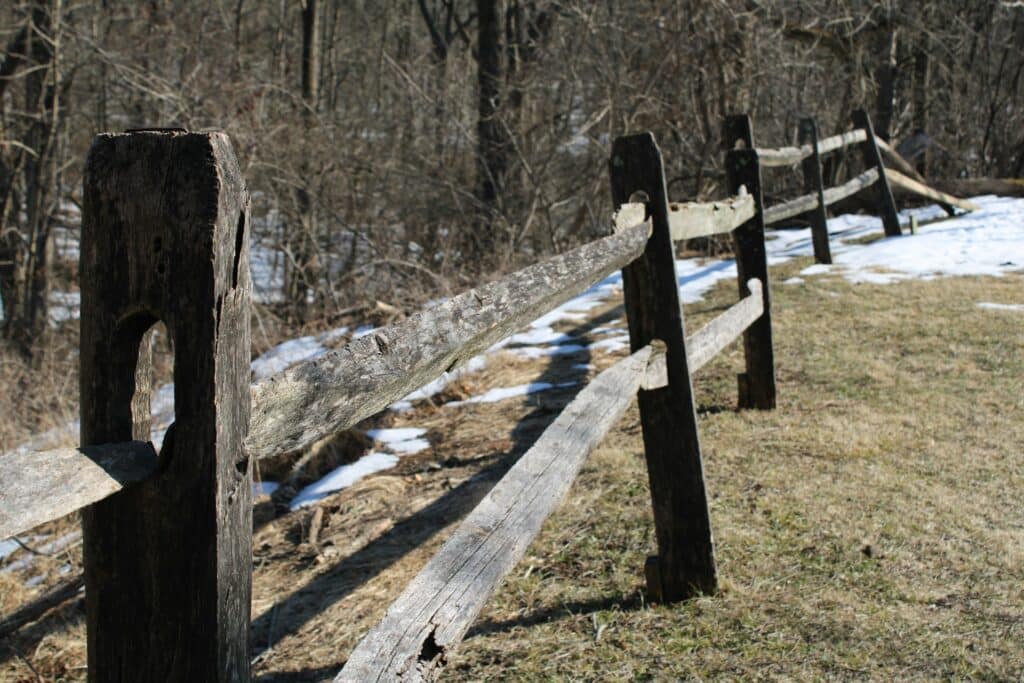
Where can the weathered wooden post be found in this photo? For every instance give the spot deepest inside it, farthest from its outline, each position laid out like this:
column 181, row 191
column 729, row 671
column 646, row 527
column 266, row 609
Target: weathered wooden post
column 884, row 203
column 757, row 384
column 165, row 234
column 808, row 135
column 737, row 128
column 685, row 564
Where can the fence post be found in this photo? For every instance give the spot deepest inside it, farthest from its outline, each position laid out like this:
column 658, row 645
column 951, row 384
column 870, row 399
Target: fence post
column 685, row 564
column 737, row 128
column 884, row 203
column 168, row 568
column 808, row 135
column 757, row 384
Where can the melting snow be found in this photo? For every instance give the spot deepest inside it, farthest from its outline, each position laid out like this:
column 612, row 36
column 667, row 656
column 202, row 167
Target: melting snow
column 502, row 393
column 343, row 477
column 1000, row 307
column 401, row 440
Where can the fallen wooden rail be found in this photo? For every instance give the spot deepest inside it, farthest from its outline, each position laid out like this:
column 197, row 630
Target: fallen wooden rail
column 788, row 156
column 911, row 185
column 439, row 605
column 805, row 203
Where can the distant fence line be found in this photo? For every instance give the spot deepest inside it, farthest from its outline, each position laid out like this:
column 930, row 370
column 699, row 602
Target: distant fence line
column 165, row 232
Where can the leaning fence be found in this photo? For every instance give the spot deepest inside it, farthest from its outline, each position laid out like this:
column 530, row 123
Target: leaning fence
column 167, row 537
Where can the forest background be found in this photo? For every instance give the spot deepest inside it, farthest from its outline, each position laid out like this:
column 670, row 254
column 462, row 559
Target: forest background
column 402, row 150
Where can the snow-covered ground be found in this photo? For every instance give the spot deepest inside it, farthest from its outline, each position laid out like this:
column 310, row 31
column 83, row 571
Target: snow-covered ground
column 989, row 241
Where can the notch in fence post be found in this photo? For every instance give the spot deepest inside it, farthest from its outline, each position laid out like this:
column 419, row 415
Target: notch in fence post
column 168, row 562
column 685, row 564
column 884, row 202
column 757, row 384
column 808, row 135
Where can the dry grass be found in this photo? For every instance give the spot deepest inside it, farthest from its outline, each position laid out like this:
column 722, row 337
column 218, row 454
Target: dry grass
column 870, row 528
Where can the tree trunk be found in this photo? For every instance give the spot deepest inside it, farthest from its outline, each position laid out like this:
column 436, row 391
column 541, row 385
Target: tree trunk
column 305, row 273
column 26, row 253
column 885, row 75
column 492, row 140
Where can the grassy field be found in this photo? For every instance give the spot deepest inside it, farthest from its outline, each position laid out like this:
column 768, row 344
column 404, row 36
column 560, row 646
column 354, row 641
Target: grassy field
column 872, row 527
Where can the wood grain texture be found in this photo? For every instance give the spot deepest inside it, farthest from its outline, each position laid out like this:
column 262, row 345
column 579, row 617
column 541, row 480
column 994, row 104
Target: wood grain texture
column 296, row 408
column 38, row 487
column 911, row 185
column 757, row 384
column 885, row 205
column 668, row 415
column 712, row 339
column 814, row 184
column 429, row 618
column 165, row 233
column 701, row 219
column 805, row 203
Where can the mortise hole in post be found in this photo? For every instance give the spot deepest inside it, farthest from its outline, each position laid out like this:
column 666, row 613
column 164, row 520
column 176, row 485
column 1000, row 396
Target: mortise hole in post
column 152, row 403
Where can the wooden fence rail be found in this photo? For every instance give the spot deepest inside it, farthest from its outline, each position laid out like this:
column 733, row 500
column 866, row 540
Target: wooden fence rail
column 167, row 536
column 738, row 130
column 332, row 393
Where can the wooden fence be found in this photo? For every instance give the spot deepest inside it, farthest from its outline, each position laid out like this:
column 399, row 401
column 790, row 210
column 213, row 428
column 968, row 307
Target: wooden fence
column 167, row 537
column 812, row 205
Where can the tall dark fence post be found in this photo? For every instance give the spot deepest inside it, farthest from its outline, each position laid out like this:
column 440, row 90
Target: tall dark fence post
column 757, row 384
column 884, row 203
column 685, row 564
column 737, row 128
column 808, row 135
column 168, row 564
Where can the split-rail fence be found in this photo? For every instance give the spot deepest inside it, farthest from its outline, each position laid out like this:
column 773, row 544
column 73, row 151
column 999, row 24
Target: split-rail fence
column 167, row 536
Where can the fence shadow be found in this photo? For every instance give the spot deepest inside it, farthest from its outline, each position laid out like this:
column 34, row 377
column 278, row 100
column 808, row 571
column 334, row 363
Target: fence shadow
column 350, row 573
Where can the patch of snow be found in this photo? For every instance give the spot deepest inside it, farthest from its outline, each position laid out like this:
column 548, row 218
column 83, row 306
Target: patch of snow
column 612, row 344
column 502, row 393
column 293, row 351
column 401, row 440
column 793, row 281
column 264, row 488
column 1000, row 307
column 989, row 241
column 546, row 351
column 7, row 547
column 343, row 477
column 429, row 389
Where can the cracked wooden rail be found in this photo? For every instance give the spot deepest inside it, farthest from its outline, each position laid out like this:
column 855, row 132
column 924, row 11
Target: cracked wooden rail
column 434, row 612
column 805, row 203
column 303, row 404
column 788, row 156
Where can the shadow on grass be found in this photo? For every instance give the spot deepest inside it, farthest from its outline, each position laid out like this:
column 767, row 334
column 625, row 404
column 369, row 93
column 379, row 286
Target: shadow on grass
column 557, row 612
column 301, row 606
